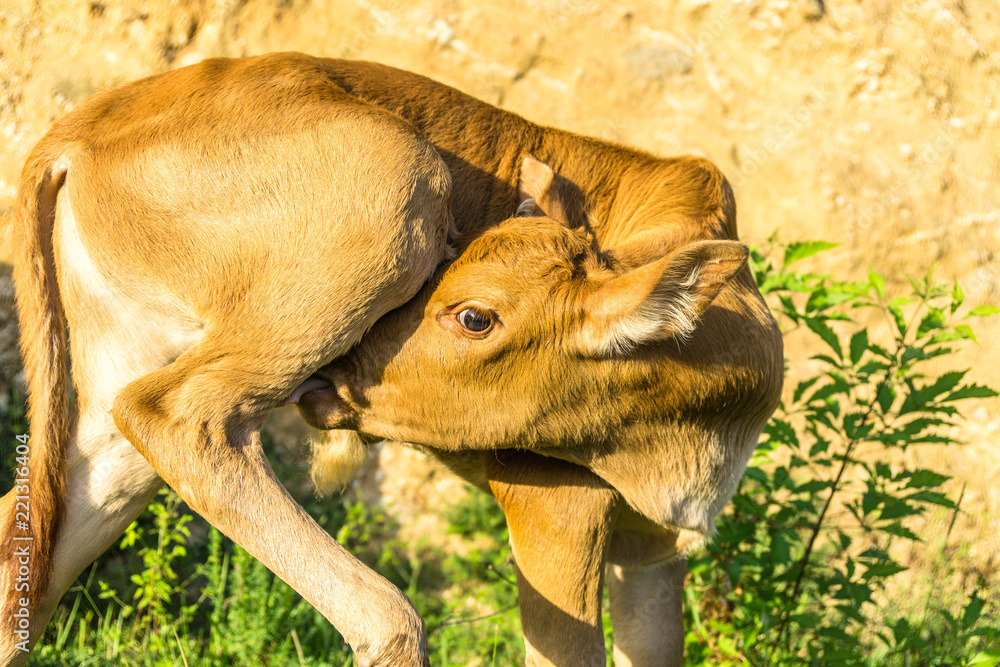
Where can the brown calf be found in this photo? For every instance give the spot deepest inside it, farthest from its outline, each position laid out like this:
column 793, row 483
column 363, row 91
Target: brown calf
column 216, row 236
column 592, row 356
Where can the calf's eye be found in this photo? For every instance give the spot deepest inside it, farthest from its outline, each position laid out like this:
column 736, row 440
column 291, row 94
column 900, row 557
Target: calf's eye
column 476, row 321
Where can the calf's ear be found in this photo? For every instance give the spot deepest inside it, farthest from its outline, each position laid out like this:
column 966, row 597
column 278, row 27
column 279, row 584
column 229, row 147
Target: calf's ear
column 659, row 300
column 536, row 192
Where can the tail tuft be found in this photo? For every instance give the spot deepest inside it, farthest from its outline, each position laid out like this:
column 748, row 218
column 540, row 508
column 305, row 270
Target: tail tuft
column 336, row 457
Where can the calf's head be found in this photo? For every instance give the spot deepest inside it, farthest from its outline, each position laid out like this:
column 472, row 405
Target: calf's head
column 531, row 337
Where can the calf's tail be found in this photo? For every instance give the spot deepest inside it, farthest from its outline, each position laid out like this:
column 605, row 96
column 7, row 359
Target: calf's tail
column 32, row 511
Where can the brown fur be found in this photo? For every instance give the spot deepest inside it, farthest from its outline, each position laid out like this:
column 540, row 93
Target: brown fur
column 218, row 268
column 43, row 348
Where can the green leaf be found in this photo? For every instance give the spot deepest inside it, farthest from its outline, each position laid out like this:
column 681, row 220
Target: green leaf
column 966, row 331
column 824, row 298
column 957, row 296
column 883, row 570
column 782, row 431
column 802, row 387
column 874, row 553
column 859, row 343
column 917, row 426
column 857, row 591
column 911, row 354
column 834, row 633
column 779, row 549
column 852, row 612
column 901, row 301
column 826, row 359
column 886, row 397
column 987, row 658
column 132, row 535
column 802, row 249
column 878, row 283
column 900, row 530
column 881, row 351
column 900, row 630
column 948, row 336
column 856, row 426
column 920, row 397
column 872, row 366
column 770, row 283
column 898, row 318
column 788, row 308
column 823, row 330
column 970, row 391
column 929, row 438
column 932, row 497
column 838, row 386
column 797, row 461
column 984, row 310
column 926, row 478
column 870, row 501
column 897, row 508
column 932, row 321
column 820, row 447
column 972, row 611
column 813, row 487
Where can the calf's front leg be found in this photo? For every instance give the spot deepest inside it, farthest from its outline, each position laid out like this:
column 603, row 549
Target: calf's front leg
column 197, row 422
column 560, row 517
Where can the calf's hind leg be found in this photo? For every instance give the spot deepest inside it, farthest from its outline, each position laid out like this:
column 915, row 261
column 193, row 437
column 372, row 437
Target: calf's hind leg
column 647, row 613
column 198, row 423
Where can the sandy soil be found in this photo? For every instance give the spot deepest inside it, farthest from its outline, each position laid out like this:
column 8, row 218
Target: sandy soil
column 874, row 123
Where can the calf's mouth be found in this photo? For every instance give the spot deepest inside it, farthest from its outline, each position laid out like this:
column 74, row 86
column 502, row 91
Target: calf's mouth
column 323, row 399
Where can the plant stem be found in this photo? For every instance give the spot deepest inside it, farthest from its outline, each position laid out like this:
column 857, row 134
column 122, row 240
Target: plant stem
column 475, row 619
column 804, row 562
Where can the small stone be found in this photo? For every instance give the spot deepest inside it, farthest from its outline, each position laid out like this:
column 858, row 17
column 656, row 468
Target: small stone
column 442, row 33
column 813, row 10
column 657, row 62
column 137, row 30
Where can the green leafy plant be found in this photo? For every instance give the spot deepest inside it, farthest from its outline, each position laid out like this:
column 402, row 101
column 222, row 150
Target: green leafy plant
column 799, row 570
column 155, row 585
